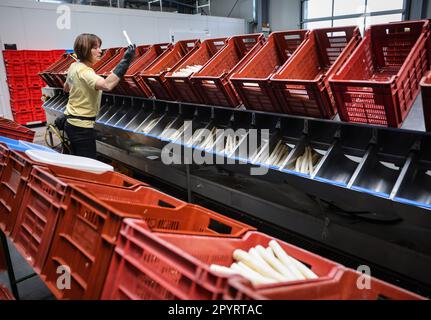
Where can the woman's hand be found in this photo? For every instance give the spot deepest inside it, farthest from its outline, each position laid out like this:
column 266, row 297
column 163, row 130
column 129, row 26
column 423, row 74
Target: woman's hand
column 121, row 69
column 130, row 53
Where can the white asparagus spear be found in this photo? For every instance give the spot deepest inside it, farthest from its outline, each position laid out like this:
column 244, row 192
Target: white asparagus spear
column 281, row 155
column 304, row 166
column 310, row 162
column 127, row 38
column 291, row 267
column 288, row 260
column 250, row 274
column 256, row 265
column 256, row 255
column 298, row 164
column 270, row 252
column 275, row 264
column 222, row 269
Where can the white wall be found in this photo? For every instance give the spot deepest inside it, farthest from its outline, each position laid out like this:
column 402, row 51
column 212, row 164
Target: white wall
column 33, row 25
column 284, row 14
column 243, row 9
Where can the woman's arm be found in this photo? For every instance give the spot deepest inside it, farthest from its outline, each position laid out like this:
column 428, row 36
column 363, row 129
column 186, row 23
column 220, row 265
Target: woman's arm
column 66, row 87
column 107, row 84
column 114, row 78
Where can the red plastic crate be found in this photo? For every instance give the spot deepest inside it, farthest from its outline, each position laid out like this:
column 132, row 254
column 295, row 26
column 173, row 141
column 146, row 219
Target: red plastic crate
column 31, row 56
column 87, row 235
column 15, row 69
column 302, row 84
column 129, row 85
column 109, row 178
column 45, row 58
column 36, row 104
column 34, row 81
column 4, row 155
column 39, row 114
column 19, row 94
column 21, row 105
column 12, row 185
column 110, row 64
column 184, row 89
column 44, row 202
column 426, row 100
column 5, row 294
column 56, row 54
column 380, row 81
column 213, row 80
column 11, row 129
column 45, row 64
column 150, row 265
column 55, row 75
column 154, row 75
column 251, row 82
column 108, row 54
column 342, row 287
column 32, row 68
column 35, row 93
column 17, row 82
column 113, row 62
column 16, row 56
column 23, row 117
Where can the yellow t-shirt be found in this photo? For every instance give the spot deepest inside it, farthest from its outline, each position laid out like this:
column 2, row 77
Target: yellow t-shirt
column 84, row 99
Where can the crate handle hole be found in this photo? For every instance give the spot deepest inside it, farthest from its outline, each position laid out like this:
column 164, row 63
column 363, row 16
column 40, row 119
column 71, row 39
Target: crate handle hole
column 219, row 227
column 336, row 34
column 292, row 37
column 165, row 204
column 250, row 84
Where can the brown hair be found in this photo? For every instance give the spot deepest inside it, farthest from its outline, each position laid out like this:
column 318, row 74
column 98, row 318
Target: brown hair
column 83, row 45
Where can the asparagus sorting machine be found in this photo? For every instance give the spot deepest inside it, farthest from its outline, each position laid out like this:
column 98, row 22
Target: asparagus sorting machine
column 367, row 199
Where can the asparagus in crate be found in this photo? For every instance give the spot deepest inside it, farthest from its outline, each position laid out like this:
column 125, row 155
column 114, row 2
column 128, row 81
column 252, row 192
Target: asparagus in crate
column 266, row 265
column 187, row 71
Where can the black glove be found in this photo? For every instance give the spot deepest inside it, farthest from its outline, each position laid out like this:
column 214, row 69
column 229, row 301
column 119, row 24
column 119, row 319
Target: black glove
column 121, row 69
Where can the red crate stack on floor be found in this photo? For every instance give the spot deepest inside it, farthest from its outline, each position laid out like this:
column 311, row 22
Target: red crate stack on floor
column 25, row 86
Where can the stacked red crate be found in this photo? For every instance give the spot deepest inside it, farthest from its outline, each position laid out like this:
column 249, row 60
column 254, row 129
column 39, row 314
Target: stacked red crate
column 25, row 86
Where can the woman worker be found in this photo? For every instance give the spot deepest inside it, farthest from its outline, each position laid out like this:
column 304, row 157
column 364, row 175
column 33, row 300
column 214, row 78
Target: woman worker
column 85, row 90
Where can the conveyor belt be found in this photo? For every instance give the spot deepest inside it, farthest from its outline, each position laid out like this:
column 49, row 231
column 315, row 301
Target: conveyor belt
column 368, row 196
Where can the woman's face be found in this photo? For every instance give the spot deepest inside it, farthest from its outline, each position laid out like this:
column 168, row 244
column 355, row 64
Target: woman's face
column 96, row 54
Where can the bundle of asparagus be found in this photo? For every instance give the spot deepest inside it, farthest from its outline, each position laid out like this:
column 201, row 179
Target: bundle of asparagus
column 305, row 163
column 266, row 265
column 187, row 71
column 278, row 155
column 151, row 125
